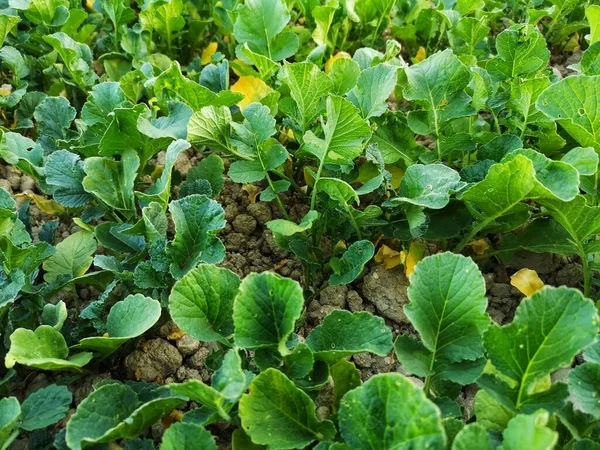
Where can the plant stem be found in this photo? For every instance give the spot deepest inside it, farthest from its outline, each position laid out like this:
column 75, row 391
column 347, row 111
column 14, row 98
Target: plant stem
column 470, row 236
column 354, row 223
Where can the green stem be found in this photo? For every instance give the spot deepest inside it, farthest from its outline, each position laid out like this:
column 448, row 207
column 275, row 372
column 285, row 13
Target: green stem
column 470, row 236
column 277, row 198
column 354, row 223
column 313, row 199
column 587, row 273
column 427, row 386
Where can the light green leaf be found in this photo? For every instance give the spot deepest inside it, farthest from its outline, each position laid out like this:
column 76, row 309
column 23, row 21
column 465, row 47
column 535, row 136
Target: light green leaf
column 548, row 330
column 211, row 126
column 266, row 66
column 45, row 407
column 201, row 303
column 10, row 413
column 48, row 12
column 584, row 384
column 472, row 436
column 370, row 418
column 308, row 86
column 164, row 17
column 112, row 181
column 278, row 414
column 260, row 24
column 7, row 23
column 289, row 228
column 73, row 257
column 187, row 436
column 345, row 376
column 372, row 90
column 338, row 190
column 198, row 220
column 77, row 58
column 592, row 14
column 529, row 433
column 323, row 16
column 571, row 103
column 347, row 268
column 344, row 74
column 258, row 126
column 103, row 98
column 584, row 159
column 64, row 172
column 126, row 320
column 54, row 315
column 521, row 51
column 343, row 334
column 447, row 308
column 45, row 348
column 265, row 311
column 490, row 413
column 114, row 411
column 54, row 115
column 210, row 169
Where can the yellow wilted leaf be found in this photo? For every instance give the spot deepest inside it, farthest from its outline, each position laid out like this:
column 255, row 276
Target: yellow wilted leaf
column 389, row 257
column 527, row 281
column 415, row 254
column 208, row 52
column 176, row 335
column 171, row 418
column 397, row 174
column 81, row 224
column 309, row 179
column 252, row 192
column 479, row 246
column 331, row 60
column 421, row 54
column 5, row 90
column 254, row 89
column 47, row 206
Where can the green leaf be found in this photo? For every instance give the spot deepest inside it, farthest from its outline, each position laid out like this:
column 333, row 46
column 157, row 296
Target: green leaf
column 344, row 134
column 45, row 348
column 490, row 413
column 472, row 436
column 447, row 308
column 343, row 334
column 126, row 320
column 115, row 411
column 592, row 14
column 278, row 414
column 14, row 61
column 548, row 330
column 529, row 433
column 54, row 115
column 211, row 126
column 45, row 407
column 64, row 172
column 48, row 12
column 260, row 24
column 112, row 181
column 73, row 257
column 54, row 315
column 187, row 436
column 369, row 416
column 521, row 51
column 103, row 99
column 584, row 159
column 344, row 74
column 373, row 87
column 201, row 303
column 210, row 169
column 570, row 102
column 265, row 311
column 258, row 126
column 10, row 413
column 584, row 381
column 542, row 236
column 394, row 139
column 338, row 190
column 119, row 14
column 164, row 17
column 289, row 228
column 77, row 58
column 345, row 377
column 7, row 23
column 347, row 268
column 308, row 86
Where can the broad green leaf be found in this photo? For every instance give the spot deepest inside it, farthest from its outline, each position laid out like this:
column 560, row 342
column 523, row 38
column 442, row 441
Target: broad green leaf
column 323, row 16
column 584, row 383
column 7, row 23
column 112, row 181
column 187, row 436
column 266, row 66
column 571, row 103
column 338, row 190
column 373, row 87
column 21, row 152
column 64, row 173
column 344, row 73
column 210, row 169
column 115, row 411
column 260, row 24
column 370, row 418
column 345, row 376
column 103, row 98
column 48, row 12
column 590, row 64
column 447, row 308
column 592, row 14
column 343, row 334
column 126, row 320
column 201, row 303
column 73, row 257
column 344, row 134
column 289, row 228
column 542, row 236
column 308, row 86
column 45, row 407
column 521, row 51
column 472, row 436
column 584, row 159
column 278, row 414
column 529, row 433
column 496, row 201
column 427, row 186
column 490, row 413
column 394, row 139
column 241, row 441
column 548, row 330
column 265, row 311
column 77, row 58
column 45, row 348
column 54, row 115
column 211, row 126
column 347, row 268
column 163, row 17
column 13, row 60
column 54, row 315
column 257, row 127
column 197, row 219
column 119, row 14
column 10, row 413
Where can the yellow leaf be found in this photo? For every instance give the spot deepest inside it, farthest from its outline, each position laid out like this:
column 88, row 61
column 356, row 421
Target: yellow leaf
column 47, row 206
column 479, row 246
column 331, row 60
column 527, row 281
column 389, row 257
column 421, row 54
column 208, row 52
column 5, row 90
column 171, row 418
column 81, row 224
column 254, row 89
column 252, row 192
column 176, row 335
column 309, row 179
column 397, row 174
column 415, row 254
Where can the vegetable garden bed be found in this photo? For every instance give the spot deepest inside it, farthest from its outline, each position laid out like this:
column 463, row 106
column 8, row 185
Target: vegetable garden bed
column 269, row 224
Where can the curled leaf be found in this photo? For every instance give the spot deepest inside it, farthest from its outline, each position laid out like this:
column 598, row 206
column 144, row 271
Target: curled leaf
column 527, row 281
column 46, row 205
column 415, row 254
column 389, row 257
column 479, row 246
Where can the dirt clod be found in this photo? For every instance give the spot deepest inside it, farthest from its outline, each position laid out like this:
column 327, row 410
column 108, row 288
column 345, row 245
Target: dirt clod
column 154, row 359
